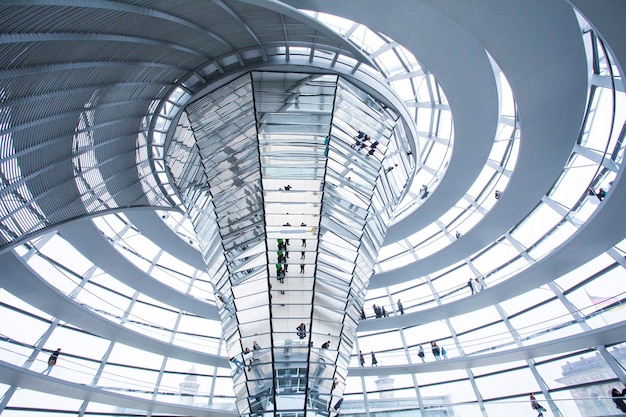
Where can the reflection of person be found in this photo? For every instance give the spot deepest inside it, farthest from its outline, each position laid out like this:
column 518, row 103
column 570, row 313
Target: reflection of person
column 237, row 363
column 52, row 360
column 535, row 405
column 420, row 353
column 255, row 346
column 618, row 399
column 301, row 331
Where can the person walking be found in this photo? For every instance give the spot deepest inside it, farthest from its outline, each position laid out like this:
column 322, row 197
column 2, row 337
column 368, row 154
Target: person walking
column 400, row 307
column 361, row 358
column 374, row 361
column 618, row 399
column 470, row 284
column 377, row 312
column 420, row 353
column 52, row 360
column 536, row 406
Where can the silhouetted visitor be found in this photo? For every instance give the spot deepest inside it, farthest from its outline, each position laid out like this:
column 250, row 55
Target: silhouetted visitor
column 400, row 307
column 52, row 360
column 374, row 361
column 618, row 399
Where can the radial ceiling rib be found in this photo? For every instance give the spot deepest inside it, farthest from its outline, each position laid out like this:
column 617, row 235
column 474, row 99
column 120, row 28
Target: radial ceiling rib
column 242, row 22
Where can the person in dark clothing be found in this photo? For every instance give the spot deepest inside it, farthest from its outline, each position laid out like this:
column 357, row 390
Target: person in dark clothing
column 326, row 345
column 338, row 404
column 361, row 359
column 52, row 360
column 400, row 307
column 618, row 399
column 436, row 351
column 374, row 361
column 301, row 331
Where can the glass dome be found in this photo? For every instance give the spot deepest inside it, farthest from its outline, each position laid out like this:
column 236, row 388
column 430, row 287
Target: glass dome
column 484, row 265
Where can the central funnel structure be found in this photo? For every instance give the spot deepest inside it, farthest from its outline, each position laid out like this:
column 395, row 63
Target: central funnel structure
column 290, row 181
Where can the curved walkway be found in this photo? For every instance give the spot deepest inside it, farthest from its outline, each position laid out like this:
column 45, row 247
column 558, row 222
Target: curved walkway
column 152, row 227
column 35, row 381
column 18, row 279
column 593, row 239
column 549, row 82
column 607, row 335
column 85, row 237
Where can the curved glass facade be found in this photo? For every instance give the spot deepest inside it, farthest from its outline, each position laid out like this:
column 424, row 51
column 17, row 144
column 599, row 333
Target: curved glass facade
column 146, row 151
